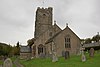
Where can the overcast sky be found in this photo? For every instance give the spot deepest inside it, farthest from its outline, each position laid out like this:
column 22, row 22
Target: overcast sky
column 17, row 17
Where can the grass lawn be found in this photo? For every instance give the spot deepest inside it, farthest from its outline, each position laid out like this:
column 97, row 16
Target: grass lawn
column 73, row 61
column 1, row 62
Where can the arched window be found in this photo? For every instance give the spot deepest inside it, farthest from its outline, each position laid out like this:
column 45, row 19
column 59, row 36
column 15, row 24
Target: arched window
column 68, row 41
column 40, row 49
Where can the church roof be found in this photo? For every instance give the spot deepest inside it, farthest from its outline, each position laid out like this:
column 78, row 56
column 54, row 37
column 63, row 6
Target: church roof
column 56, row 26
column 51, row 39
column 25, row 49
column 71, row 31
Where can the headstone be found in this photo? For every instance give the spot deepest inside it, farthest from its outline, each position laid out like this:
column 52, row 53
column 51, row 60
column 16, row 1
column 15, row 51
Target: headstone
column 66, row 54
column 91, row 52
column 54, row 57
column 83, row 57
column 8, row 63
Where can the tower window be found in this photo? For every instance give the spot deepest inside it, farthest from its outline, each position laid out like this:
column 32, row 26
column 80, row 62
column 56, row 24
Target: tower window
column 44, row 14
column 67, row 41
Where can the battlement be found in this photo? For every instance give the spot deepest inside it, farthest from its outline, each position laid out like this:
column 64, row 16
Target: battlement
column 44, row 9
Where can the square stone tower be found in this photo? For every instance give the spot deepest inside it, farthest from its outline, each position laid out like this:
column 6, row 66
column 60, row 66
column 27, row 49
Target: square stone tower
column 43, row 20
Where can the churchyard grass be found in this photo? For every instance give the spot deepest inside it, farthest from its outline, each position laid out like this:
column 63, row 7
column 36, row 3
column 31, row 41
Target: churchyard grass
column 1, row 62
column 73, row 61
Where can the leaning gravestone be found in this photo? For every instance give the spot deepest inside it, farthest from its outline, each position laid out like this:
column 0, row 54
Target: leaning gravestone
column 8, row 63
column 91, row 52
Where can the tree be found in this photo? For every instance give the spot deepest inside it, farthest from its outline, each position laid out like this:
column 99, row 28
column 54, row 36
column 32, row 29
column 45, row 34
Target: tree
column 18, row 44
column 96, row 38
column 30, row 41
column 17, row 49
column 87, row 40
column 5, row 49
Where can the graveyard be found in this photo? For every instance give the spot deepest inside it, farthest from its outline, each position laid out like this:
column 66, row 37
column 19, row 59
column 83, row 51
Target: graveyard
column 73, row 61
column 59, row 37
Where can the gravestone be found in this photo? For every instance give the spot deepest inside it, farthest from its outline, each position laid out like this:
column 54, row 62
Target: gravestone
column 8, row 63
column 66, row 54
column 83, row 57
column 91, row 52
column 54, row 57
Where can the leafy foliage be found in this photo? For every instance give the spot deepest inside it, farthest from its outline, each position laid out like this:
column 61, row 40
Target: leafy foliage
column 8, row 50
column 31, row 41
column 5, row 49
column 95, row 38
column 88, row 40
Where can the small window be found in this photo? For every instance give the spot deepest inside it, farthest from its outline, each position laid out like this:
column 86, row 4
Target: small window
column 44, row 14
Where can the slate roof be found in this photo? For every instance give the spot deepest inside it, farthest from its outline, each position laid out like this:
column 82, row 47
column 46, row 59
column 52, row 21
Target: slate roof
column 25, row 49
column 51, row 39
column 92, row 44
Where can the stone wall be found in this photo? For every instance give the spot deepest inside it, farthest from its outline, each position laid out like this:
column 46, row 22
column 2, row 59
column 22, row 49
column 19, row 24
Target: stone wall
column 25, row 55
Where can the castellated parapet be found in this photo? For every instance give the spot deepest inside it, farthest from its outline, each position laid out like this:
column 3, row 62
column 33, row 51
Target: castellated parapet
column 49, row 8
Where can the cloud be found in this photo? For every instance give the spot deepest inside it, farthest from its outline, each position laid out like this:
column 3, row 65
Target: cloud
column 17, row 17
column 12, row 12
column 15, row 21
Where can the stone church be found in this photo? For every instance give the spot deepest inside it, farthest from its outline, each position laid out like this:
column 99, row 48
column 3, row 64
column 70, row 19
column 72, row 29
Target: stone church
column 49, row 37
